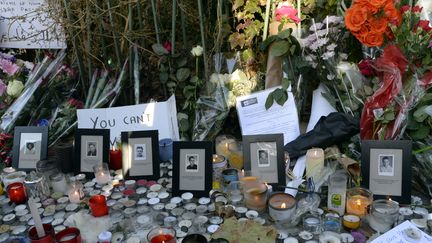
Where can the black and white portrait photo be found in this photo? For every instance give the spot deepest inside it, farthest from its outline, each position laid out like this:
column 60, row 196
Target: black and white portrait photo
column 386, row 165
column 91, row 149
column 140, row 152
column 192, row 162
column 30, row 147
column 263, row 158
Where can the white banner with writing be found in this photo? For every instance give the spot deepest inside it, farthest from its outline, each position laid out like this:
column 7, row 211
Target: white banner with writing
column 28, row 24
column 161, row 116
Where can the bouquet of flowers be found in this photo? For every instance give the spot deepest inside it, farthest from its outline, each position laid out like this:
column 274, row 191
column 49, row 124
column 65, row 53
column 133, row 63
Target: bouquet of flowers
column 403, row 69
column 13, row 74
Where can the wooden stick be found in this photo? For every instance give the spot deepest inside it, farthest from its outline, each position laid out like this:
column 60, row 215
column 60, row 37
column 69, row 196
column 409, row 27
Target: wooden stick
column 203, row 39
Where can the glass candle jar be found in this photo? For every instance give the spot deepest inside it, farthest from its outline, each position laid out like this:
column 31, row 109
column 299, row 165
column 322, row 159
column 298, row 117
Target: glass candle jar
column 76, row 192
column 281, row 206
column 37, row 185
column 312, row 223
column 58, row 183
column 17, row 193
column 383, row 214
column 98, row 206
column 219, row 165
column 255, row 196
column 358, row 199
column 47, row 168
column 235, row 156
column 102, row 174
column 222, row 143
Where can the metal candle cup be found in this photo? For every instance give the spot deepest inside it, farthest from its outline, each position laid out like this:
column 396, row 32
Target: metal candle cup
column 98, row 206
column 281, row 206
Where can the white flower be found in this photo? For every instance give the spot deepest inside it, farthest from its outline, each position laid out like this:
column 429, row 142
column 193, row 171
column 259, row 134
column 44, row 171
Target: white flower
column 309, row 58
column 327, row 55
column 15, row 88
column 334, row 19
column 331, row 47
column 238, row 76
column 316, row 26
column 343, row 56
column 197, row 51
column 330, row 76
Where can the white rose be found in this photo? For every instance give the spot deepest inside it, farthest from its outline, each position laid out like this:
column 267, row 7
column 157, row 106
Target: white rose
column 15, row 88
column 197, row 51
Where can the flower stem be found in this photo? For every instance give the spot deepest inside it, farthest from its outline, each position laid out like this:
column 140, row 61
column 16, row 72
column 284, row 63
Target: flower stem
column 173, row 25
column 422, row 150
column 203, row 39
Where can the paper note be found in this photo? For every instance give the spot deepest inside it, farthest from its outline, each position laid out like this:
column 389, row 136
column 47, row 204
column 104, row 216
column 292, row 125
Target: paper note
column 29, row 24
column 255, row 119
column 161, row 116
column 405, row 232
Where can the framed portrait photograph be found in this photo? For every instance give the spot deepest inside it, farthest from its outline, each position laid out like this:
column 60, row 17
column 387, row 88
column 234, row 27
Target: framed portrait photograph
column 386, row 168
column 140, row 154
column 30, row 145
column 91, row 148
column 192, row 168
column 264, row 157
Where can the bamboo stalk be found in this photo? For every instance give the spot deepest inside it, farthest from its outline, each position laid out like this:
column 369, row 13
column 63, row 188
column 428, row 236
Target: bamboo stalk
column 183, row 27
column 136, row 75
column 75, row 47
column 89, row 40
column 116, row 44
column 203, row 39
column 155, row 20
column 91, row 89
column 104, row 49
column 219, row 26
column 131, row 54
column 266, row 19
column 140, row 22
column 173, row 25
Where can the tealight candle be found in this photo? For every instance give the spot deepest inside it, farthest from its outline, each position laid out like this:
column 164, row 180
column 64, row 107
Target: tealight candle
column 351, row 222
column 161, row 235
column 281, row 206
column 102, row 174
column 358, row 199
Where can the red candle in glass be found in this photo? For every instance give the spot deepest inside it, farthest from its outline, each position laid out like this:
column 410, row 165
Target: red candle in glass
column 16, row 192
column 98, row 205
column 115, row 159
column 69, row 235
column 165, row 238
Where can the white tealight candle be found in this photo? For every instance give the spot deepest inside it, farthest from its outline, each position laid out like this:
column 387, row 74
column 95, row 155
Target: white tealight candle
column 102, row 177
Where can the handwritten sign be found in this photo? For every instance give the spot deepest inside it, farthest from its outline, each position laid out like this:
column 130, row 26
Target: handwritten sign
column 161, row 116
column 405, row 232
column 29, row 24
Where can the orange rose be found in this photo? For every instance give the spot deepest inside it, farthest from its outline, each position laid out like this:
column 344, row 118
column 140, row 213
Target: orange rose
column 378, row 25
column 378, row 3
column 371, row 9
column 374, row 39
column 362, row 33
column 392, row 14
column 355, row 17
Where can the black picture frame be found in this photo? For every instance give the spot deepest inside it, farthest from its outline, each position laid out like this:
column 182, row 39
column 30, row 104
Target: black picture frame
column 386, row 169
column 85, row 160
column 30, row 145
column 143, row 165
column 184, row 179
column 270, row 144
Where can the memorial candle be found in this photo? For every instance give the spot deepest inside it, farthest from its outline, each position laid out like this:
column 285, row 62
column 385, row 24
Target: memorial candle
column 17, row 193
column 314, row 162
column 115, row 159
column 161, row 235
column 102, row 174
column 358, row 199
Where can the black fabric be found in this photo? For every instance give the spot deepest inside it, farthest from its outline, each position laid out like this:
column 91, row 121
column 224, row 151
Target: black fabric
column 332, row 129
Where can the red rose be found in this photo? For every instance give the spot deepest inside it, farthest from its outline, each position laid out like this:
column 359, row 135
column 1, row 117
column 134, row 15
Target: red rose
column 417, row 9
column 404, row 9
column 424, row 24
column 366, row 68
column 167, row 45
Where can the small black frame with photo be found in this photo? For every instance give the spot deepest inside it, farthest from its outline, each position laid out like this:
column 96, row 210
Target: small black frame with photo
column 386, row 169
column 192, row 168
column 30, row 145
column 141, row 154
column 264, row 158
column 91, row 148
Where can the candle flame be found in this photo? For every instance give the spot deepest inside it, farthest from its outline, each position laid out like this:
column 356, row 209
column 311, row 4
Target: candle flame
column 283, row 205
column 358, row 202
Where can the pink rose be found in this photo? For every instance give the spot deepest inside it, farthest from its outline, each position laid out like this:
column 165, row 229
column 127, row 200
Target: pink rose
column 404, row 9
column 3, row 87
column 167, row 45
column 8, row 67
column 287, row 12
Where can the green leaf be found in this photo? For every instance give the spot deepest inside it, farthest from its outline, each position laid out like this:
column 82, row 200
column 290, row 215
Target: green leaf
column 269, row 101
column 163, row 77
column 171, row 84
column 277, row 94
column 182, row 74
column 182, row 62
column 184, row 125
column 281, row 101
column 421, row 133
column 284, row 34
column 159, row 49
column 279, row 48
column 292, row 49
column 285, row 83
column 420, row 114
column 264, row 45
column 194, row 79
